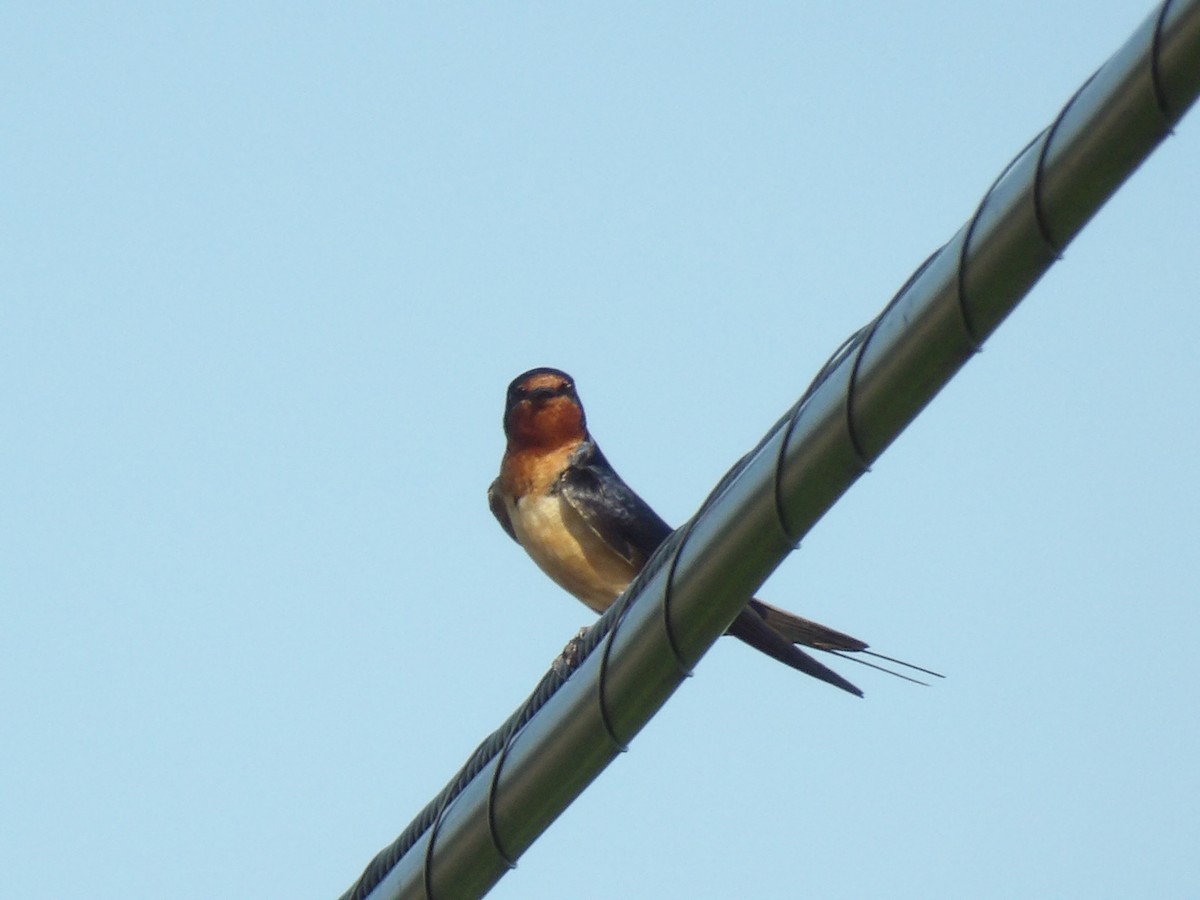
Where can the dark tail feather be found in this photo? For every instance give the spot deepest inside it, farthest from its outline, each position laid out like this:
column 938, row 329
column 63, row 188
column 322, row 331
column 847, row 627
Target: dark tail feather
column 863, row 662
column 750, row 627
column 799, row 630
column 906, row 665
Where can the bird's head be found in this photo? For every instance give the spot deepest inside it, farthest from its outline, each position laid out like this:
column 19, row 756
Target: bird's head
column 543, row 410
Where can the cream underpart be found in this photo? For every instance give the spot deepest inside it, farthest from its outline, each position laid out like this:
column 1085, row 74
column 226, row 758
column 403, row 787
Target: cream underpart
column 566, row 549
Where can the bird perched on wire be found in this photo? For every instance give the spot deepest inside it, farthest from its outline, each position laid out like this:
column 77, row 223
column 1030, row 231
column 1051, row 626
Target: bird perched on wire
column 558, row 497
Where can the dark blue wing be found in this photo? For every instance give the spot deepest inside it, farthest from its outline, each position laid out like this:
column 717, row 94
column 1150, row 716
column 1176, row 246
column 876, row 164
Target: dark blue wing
column 496, row 504
column 609, row 506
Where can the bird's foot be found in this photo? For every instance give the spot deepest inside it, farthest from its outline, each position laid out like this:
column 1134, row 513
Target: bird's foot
column 572, row 654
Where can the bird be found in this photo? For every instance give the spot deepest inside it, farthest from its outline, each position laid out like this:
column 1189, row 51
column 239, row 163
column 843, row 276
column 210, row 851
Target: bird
column 561, row 500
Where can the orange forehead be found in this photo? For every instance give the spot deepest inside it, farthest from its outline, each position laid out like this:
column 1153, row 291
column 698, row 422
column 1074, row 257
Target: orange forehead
column 554, row 414
column 550, row 380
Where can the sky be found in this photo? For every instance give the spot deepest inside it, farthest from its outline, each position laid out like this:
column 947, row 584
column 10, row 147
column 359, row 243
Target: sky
column 267, row 270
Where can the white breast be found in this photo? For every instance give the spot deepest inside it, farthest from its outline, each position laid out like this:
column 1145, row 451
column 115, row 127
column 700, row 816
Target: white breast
column 567, row 550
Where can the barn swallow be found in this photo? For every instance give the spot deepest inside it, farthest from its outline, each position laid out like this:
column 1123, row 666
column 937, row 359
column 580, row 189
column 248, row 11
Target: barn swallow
column 558, row 497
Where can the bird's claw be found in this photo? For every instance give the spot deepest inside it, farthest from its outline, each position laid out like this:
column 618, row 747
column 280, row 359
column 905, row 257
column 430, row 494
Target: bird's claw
column 572, row 654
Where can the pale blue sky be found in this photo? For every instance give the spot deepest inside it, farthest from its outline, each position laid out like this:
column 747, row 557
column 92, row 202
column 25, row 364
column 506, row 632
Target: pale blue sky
column 267, row 270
